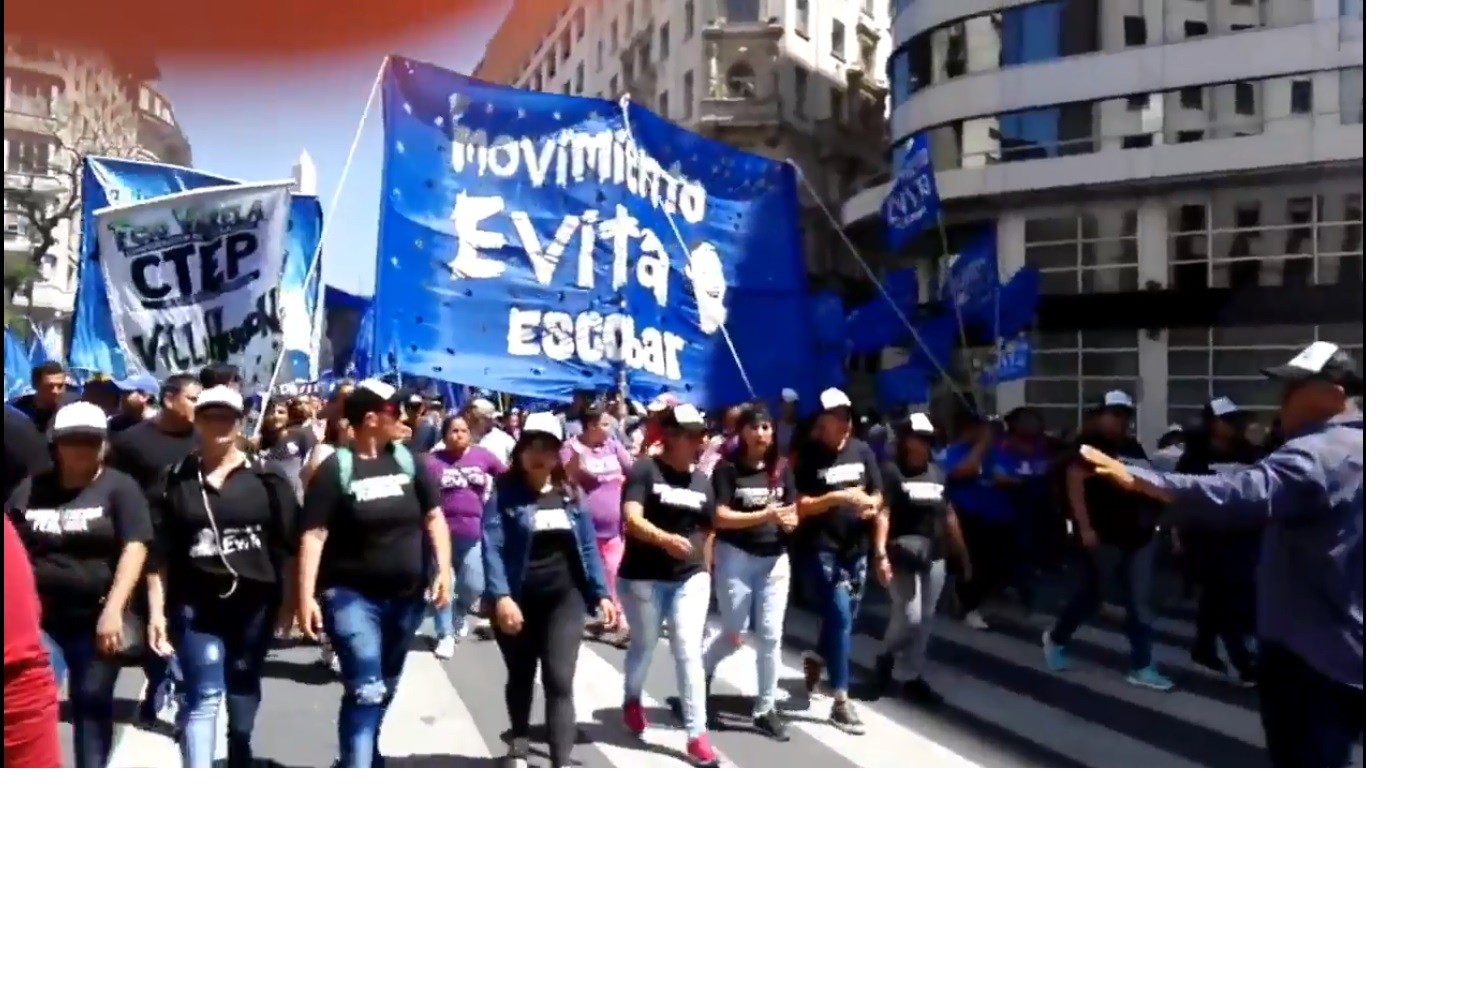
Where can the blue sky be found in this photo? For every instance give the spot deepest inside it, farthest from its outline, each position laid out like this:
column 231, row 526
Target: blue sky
column 251, row 124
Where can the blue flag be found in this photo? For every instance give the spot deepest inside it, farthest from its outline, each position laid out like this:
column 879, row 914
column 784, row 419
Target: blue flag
column 343, row 314
column 974, row 288
column 875, row 324
column 17, row 367
column 1012, row 361
column 533, row 243
column 913, row 203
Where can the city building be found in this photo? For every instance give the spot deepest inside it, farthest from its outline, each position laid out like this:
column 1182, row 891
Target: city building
column 1187, row 176
column 59, row 107
column 797, row 79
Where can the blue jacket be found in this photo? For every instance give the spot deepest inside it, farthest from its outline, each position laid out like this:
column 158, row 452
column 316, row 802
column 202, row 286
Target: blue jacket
column 508, row 534
column 1309, row 497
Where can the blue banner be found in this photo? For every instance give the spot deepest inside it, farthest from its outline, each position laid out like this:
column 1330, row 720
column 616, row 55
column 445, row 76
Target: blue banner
column 530, row 243
column 17, row 367
column 912, row 205
column 108, row 181
column 344, row 313
column 1013, row 361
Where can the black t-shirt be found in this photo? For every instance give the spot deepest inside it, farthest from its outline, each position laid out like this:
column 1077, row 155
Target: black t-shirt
column 39, row 417
column 145, row 453
column 554, row 559
column 1119, row 518
column 26, row 450
column 74, row 538
column 745, row 488
column 376, row 543
column 120, row 422
column 819, row 471
column 675, row 502
column 916, row 504
column 255, row 515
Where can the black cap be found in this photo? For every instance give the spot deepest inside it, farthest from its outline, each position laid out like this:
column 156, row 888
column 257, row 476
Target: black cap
column 1324, row 361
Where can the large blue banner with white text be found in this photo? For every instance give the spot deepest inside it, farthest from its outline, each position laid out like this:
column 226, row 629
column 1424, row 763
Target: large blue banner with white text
column 531, row 243
column 112, row 181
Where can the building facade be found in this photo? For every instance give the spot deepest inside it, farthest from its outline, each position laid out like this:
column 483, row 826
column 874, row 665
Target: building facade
column 1186, row 175
column 797, row 79
column 59, row 107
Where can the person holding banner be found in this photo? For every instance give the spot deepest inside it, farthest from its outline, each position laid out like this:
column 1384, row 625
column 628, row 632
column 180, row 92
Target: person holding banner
column 362, row 568
column 668, row 511
column 225, row 525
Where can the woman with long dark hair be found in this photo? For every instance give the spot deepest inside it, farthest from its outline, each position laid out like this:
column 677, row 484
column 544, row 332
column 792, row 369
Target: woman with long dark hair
column 368, row 513
column 754, row 516
column 87, row 529
column 465, row 473
column 542, row 576
column 226, row 523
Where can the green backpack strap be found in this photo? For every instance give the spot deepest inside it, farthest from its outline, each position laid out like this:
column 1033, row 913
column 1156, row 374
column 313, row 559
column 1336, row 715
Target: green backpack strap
column 404, row 460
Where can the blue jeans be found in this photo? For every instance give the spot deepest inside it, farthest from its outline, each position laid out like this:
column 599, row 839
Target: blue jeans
column 371, row 637
column 467, row 585
column 91, row 681
column 221, row 645
column 684, row 606
column 1130, row 573
column 836, row 585
column 914, row 596
column 752, row 592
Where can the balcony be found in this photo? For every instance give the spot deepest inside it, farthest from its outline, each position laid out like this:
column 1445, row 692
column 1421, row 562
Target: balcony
column 35, row 107
column 744, row 19
column 163, row 140
column 740, row 113
column 28, row 182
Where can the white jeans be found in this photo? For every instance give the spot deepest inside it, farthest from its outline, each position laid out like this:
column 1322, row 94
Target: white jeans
column 684, row 606
column 752, row 593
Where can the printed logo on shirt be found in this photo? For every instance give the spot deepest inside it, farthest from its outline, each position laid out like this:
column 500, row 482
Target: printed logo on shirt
column 605, row 467
column 234, row 540
column 840, row 475
column 551, row 520
column 464, row 478
column 924, row 491
column 378, row 487
column 758, row 499
column 59, row 521
column 689, row 499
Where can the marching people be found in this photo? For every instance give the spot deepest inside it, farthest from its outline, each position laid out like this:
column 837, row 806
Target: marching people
column 598, row 463
column 838, row 486
column 225, row 525
column 1308, row 496
column 754, row 517
column 464, row 472
column 87, row 528
column 283, row 443
column 29, row 699
column 668, row 510
column 981, row 507
column 1223, row 563
column 1114, row 531
column 49, row 393
column 367, row 514
column 542, row 576
column 911, row 538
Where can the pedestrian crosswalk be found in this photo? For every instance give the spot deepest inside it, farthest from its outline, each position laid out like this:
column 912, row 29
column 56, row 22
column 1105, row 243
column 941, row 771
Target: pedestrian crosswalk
column 1003, row 708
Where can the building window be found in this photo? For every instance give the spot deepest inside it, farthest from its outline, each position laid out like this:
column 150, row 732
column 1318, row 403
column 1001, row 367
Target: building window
column 803, row 18
column 615, row 86
column 867, row 55
column 837, row 108
column 802, row 83
column 839, row 39
column 662, row 41
column 688, row 95
column 615, row 36
column 1138, row 141
column 1138, row 101
column 28, row 153
column 687, row 19
column 1227, row 360
column 662, row 104
column 1194, row 29
column 600, row 54
column 631, row 16
column 1352, row 95
column 564, row 46
column 580, row 79
column 1301, row 97
column 1072, row 370
column 1094, row 250
column 1135, row 34
column 565, row 87
column 579, row 24
column 1244, row 101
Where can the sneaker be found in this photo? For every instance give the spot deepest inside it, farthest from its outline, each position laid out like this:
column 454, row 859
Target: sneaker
column 1149, row 678
column 1053, row 654
column 701, row 753
column 462, row 629
column 811, row 671
column 517, row 756
column 772, row 725
column 445, row 647
column 977, row 621
column 239, row 752
column 845, row 717
column 633, row 716
column 918, row 692
column 327, row 658
column 621, row 638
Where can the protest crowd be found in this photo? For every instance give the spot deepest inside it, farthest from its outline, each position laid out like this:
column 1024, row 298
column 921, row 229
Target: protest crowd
column 673, row 489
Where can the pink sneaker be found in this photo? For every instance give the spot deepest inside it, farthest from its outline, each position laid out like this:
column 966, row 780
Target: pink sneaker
column 634, row 717
column 701, row 753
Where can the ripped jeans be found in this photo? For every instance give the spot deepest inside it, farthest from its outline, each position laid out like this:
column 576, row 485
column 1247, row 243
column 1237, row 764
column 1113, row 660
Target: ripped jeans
column 221, row 644
column 371, row 637
column 752, row 591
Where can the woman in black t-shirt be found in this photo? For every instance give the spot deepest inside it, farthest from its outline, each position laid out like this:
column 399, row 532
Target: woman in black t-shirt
column 543, row 575
column 368, row 512
column 225, row 524
column 87, row 530
column 911, row 538
column 668, row 514
column 754, row 516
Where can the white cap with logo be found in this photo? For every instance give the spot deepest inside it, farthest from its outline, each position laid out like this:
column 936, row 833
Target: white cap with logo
column 835, row 399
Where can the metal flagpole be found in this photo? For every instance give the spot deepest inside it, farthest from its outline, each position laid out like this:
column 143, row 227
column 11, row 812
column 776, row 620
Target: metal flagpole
column 955, row 303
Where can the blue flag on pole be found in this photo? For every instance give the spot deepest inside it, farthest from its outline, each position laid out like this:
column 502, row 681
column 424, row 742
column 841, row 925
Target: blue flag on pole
column 913, row 203
column 1012, row 361
column 532, row 242
column 17, row 367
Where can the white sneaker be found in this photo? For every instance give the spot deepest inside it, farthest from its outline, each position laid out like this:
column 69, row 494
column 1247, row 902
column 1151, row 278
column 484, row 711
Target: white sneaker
column 977, row 621
column 462, row 629
column 446, row 646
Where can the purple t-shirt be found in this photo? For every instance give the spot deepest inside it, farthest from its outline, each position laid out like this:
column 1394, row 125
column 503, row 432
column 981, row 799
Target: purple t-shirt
column 602, row 471
column 465, row 480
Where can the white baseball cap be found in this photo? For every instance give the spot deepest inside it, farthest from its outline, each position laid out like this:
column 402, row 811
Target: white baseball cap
column 920, row 423
column 688, row 416
column 1120, row 399
column 380, row 388
column 217, row 397
column 1222, row 407
column 79, row 417
column 543, row 423
column 789, row 395
column 835, row 399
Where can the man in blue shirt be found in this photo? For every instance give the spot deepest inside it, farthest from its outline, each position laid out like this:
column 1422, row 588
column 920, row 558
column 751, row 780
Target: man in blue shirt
column 1309, row 496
